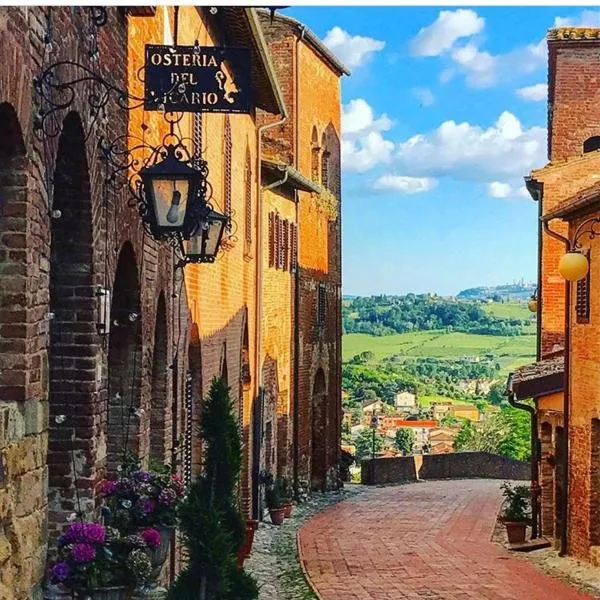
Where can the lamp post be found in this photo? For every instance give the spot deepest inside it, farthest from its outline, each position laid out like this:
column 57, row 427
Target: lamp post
column 204, row 243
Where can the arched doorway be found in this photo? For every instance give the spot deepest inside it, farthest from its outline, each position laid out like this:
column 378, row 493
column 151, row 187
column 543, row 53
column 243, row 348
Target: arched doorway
column 157, row 451
column 74, row 351
column 319, row 432
column 124, row 357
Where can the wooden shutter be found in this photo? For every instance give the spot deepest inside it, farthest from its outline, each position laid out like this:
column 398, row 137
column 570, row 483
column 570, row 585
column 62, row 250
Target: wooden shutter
column 294, row 248
column 582, row 298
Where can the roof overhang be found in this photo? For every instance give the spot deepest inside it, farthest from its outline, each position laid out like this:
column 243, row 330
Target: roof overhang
column 582, row 203
column 541, row 378
column 295, row 179
column 306, row 34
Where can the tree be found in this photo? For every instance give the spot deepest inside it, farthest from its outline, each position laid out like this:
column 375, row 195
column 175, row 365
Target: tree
column 209, row 518
column 364, row 444
column 405, row 438
column 496, row 394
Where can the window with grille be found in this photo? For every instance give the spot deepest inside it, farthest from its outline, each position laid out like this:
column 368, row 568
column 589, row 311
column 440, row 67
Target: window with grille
column 314, row 156
column 582, row 299
column 321, row 302
column 248, row 200
column 325, row 169
column 227, row 171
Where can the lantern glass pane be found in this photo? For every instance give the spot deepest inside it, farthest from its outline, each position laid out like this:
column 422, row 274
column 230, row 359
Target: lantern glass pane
column 194, row 246
column 214, row 235
column 170, row 201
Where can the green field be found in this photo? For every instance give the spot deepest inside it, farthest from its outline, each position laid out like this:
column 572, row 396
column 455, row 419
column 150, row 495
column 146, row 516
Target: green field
column 511, row 352
column 508, row 310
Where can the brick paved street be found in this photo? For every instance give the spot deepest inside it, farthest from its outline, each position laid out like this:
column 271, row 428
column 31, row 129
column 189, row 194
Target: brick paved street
column 429, row 540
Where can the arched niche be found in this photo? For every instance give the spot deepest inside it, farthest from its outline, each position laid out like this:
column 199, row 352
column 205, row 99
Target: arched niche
column 124, row 360
column 159, row 392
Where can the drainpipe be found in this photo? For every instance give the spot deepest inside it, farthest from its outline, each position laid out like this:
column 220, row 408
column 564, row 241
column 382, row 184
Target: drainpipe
column 535, row 489
column 566, row 400
column 259, row 276
column 296, row 367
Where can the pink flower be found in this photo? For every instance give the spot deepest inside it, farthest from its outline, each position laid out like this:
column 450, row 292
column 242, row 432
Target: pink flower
column 83, row 553
column 151, row 537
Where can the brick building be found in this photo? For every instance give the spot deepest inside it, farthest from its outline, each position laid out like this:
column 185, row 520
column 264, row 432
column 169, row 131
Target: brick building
column 102, row 337
column 307, row 143
column 568, row 194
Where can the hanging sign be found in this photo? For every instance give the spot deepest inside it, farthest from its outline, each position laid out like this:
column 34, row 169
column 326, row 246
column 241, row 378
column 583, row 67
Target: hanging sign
column 197, row 79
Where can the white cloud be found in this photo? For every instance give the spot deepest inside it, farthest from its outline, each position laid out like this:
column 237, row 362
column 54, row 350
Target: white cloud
column 587, row 18
column 534, row 93
column 468, row 152
column 498, row 189
column 358, row 119
column 352, row 50
column 406, row 185
column 450, row 26
column 479, row 67
column 424, row 95
column 364, row 153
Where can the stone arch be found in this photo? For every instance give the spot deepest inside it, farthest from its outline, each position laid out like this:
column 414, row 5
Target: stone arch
column 591, row 144
column 124, row 359
column 74, row 350
column 13, row 255
column 332, row 173
column 315, row 152
column 158, row 404
column 270, row 376
column 194, row 381
column 319, row 432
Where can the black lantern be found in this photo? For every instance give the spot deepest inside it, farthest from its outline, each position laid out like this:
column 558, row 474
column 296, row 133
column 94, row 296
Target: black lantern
column 171, row 189
column 204, row 243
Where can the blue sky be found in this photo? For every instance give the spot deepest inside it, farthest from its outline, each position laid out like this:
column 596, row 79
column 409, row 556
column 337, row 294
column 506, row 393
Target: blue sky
column 444, row 114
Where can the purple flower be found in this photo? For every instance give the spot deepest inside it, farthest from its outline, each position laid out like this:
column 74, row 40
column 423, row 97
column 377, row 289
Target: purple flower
column 148, row 506
column 167, row 497
column 60, row 571
column 62, row 540
column 94, row 533
column 143, row 476
column 83, row 553
column 151, row 537
column 108, row 487
column 124, row 485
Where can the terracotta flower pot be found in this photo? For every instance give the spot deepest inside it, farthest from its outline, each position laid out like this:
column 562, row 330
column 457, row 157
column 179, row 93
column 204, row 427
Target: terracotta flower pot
column 244, row 551
column 516, row 531
column 277, row 515
column 288, row 506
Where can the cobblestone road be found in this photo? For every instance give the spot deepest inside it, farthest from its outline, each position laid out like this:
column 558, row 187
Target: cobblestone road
column 429, row 540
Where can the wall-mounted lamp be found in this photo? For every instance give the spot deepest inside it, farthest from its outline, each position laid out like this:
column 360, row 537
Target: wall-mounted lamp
column 103, row 324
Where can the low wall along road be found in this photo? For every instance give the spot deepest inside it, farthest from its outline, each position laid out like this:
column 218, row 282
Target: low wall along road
column 457, row 465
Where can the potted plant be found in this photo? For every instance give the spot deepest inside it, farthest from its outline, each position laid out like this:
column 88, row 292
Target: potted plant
column 246, row 548
column 97, row 562
column 274, row 503
column 515, row 514
column 285, row 491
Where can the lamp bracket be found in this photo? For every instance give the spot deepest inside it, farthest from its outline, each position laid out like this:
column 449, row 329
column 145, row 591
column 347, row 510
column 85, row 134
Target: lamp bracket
column 590, row 228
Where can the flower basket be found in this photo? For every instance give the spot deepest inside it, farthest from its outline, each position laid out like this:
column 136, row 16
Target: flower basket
column 109, row 593
column 277, row 515
column 246, row 548
column 159, row 554
column 288, row 506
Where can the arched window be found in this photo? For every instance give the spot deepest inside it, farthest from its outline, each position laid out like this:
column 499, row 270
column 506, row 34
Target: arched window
column 248, row 200
column 324, row 162
column 314, row 157
column 227, row 169
column 591, row 144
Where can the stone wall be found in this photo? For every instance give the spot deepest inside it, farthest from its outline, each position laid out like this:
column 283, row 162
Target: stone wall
column 457, row 465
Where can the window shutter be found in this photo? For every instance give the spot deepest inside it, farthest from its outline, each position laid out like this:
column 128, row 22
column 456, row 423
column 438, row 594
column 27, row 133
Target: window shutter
column 248, row 198
column 227, row 171
column 286, row 245
column 582, row 298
